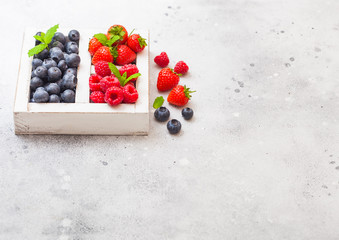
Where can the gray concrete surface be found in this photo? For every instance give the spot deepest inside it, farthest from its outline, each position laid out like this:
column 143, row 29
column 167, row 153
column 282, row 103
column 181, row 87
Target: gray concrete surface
column 260, row 159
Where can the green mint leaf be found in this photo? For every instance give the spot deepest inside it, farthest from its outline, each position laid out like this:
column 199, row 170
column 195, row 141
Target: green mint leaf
column 131, row 77
column 37, row 49
column 112, row 40
column 42, row 34
column 158, row 102
column 102, row 38
column 50, row 33
column 116, row 72
column 39, row 38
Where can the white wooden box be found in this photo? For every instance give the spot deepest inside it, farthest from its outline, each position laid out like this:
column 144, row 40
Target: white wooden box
column 81, row 117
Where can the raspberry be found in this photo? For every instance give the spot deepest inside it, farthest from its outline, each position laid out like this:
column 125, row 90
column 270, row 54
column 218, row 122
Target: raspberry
column 181, row 67
column 162, row 59
column 114, row 96
column 97, row 97
column 130, row 83
column 102, row 69
column 130, row 94
column 109, row 81
column 130, row 69
column 94, row 82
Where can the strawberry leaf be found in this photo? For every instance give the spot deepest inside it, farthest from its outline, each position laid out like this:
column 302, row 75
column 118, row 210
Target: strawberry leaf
column 37, row 49
column 50, row 33
column 113, row 40
column 102, row 38
column 158, row 102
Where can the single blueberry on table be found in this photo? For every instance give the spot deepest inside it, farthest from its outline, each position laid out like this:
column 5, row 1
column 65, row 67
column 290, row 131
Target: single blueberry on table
column 54, row 98
column 60, row 37
column 187, row 113
column 52, row 88
column 35, row 83
column 41, row 72
column 56, row 54
column 40, row 96
column 72, row 60
column 162, row 114
column 72, row 71
column 48, row 63
column 173, row 126
column 62, row 65
column 74, row 35
column 42, row 55
column 54, row 74
column 68, row 82
column 68, row 96
column 36, row 63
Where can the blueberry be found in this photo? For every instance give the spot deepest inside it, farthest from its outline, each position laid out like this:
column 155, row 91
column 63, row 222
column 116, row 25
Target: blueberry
column 54, row 74
column 32, row 100
column 52, row 88
column 72, row 60
column 54, row 98
column 187, row 113
column 59, row 82
column 62, row 65
column 41, row 72
column 72, row 47
column 40, row 96
column 68, row 96
column 48, row 63
column 37, row 42
column 173, row 126
column 35, row 83
column 33, row 74
column 36, row 63
column 162, row 114
column 68, row 82
column 72, row 71
column 56, row 54
column 42, row 55
column 57, row 44
column 60, row 37
column 40, row 89
column 74, row 35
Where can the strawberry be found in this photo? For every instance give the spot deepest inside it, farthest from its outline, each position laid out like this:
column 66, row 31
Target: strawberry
column 102, row 69
column 114, row 96
column 109, row 81
column 102, row 54
column 97, row 97
column 167, row 79
column 94, row 82
column 179, row 96
column 181, row 67
column 136, row 43
column 130, row 94
column 118, row 30
column 162, row 59
column 130, row 69
column 125, row 55
column 93, row 46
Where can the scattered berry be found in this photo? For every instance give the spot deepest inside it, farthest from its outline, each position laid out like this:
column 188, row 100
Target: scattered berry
column 114, row 96
column 187, row 113
column 162, row 114
column 94, row 82
column 130, row 69
column 179, row 95
column 136, row 43
column 93, row 46
column 173, row 126
column 102, row 54
column 130, row 94
column 97, row 97
column 162, row 60
column 167, row 79
column 108, row 82
column 125, row 55
column 102, row 69
column 181, row 67
column 118, row 30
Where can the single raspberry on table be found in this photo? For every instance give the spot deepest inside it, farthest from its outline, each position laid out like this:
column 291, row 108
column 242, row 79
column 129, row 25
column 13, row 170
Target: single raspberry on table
column 114, row 96
column 181, row 67
column 129, row 69
column 130, row 94
column 94, row 82
column 109, row 81
column 97, row 97
column 162, row 59
column 102, row 69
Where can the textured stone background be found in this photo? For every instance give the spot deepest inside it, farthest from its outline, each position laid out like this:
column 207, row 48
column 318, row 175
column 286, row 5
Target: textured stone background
column 260, row 159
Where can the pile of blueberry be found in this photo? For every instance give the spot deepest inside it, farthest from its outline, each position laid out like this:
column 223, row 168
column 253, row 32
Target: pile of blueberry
column 54, row 70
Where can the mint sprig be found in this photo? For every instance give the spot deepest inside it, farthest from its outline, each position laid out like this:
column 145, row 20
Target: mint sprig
column 158, row 102
column 45, row 39
column 122, row 79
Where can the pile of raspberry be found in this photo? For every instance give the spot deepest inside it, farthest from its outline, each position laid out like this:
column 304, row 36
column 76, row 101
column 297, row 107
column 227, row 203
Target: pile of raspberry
column 110, row 88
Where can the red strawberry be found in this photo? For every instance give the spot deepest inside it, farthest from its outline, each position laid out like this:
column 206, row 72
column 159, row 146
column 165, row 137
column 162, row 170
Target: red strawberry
column 94, row 82
column 179, row 95
column 136, row 43
column 119, row 31
column 97, row 97
column 167, row 79
column 102, row 54
column 130, row 69
column 181, row 67
column 109, row 81
column 130, row 94
column 114, row 96
column 93, row 46
column 162, row 60
column 102, row 69
column 125, row 55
